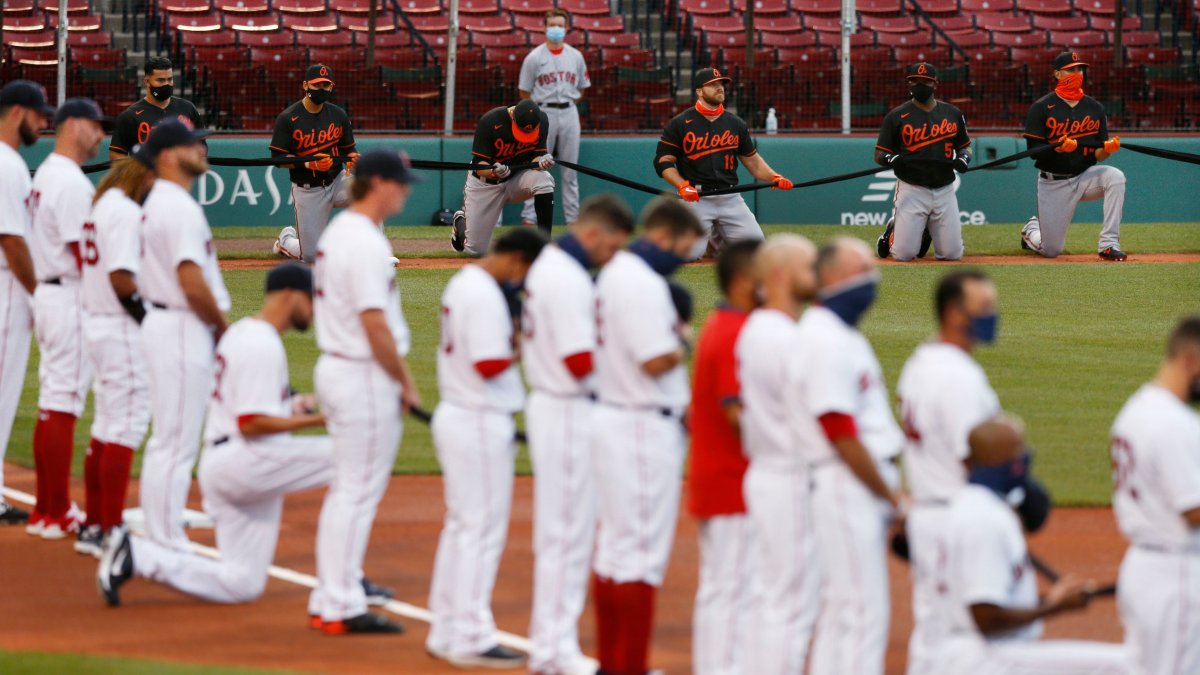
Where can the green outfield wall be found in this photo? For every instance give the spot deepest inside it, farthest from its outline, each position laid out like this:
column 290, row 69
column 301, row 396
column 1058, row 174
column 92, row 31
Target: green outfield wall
column 1158, row 190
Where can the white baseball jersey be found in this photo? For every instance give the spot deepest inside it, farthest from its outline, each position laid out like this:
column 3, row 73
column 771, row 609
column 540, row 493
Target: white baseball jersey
column 835, row 370
column 768, row 337
column 1156, row 466
column 558, row 320
column 944, row 394
column 252, row 379
column 635, row 322
column 477, row 327
column 354, row 252
column 112, row 241
column 16, row 206
column 554, row 78
column 62, row 200
column 175, row 231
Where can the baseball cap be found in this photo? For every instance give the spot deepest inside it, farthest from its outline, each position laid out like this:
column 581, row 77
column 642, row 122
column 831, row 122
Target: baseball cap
column 169, row 133
column 318, row 72
column 527, row 118
column 387, row 163
column 707, row 76
column 84, row 108
column 921, row 70
column 27, row 94
column 1067, row 60
column 290, row 276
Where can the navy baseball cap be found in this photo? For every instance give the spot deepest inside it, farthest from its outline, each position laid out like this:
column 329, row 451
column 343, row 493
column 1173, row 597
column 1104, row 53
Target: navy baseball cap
column 708, row 76
column 290, row 276
column 921, row 71
column 319, row 73
column 1067, row 60
column 82, row 107
column 27, row 94
column 169, row 133
column 386, row 163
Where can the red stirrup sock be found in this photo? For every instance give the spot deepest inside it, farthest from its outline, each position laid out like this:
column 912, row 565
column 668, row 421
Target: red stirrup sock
column 636, row 603
column 93, row 482
column 41, row 431
column 114, row 475
column 606, row 621
column 59, row 447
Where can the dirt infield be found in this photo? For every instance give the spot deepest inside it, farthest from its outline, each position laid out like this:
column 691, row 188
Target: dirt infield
column 51, row 604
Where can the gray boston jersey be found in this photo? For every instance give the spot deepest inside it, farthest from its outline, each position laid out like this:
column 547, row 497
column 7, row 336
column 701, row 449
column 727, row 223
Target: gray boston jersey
column 554, row 78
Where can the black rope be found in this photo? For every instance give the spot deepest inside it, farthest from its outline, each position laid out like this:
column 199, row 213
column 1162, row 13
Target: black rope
column 429, row 164
column 1162, row 154
column 604, row 175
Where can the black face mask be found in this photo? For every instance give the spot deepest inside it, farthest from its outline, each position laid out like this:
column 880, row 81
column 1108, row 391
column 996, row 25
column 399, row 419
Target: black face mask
column 28, row 135
column 921, row 92
column 162, row 93
column 319, row 96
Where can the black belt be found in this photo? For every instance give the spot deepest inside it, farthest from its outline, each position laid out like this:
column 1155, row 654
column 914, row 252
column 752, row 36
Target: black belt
column 710, row 187
column 664, row 411
column 56, row 281
column 158, row 305
column 559, row 106
column 1057, row 176
column 220, row 441
column 322, row 182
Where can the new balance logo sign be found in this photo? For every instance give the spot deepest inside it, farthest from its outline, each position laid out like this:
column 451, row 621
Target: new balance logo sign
column 882, row 188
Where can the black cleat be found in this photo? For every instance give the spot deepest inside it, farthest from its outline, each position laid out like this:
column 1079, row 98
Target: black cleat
column 363, row 623
column 376, row 595
column 883, row 245
column 89, row 541
column 11, row 515
column 1113, row 253
column 458, row 231
column 116, row 565
column 498, row 657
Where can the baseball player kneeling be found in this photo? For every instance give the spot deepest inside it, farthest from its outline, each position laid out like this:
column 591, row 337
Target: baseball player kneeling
column 250, row 460
column 505, row 137
column 638, row 441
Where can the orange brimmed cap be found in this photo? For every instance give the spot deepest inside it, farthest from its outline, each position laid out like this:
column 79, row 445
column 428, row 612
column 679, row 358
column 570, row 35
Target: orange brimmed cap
column 526, row 121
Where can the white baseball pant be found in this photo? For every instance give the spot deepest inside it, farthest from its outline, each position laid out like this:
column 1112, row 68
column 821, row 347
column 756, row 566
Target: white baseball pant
column 919, row 207
column 1158, row 594
column 562, row 141
column 564, row 526
column 313, row 207
column 780, row 505
column 16, row 328
column 362, row 413
column 1057, row 200
column 638, row 460
column 971, row 654
column 725, row 219
column 179, row 368
column 726, row 596
column 484, row 202
column 476, row 451
column 64, row 372
column 926, row 526
column 120, row 391
column 852, row 629
column 244, row 483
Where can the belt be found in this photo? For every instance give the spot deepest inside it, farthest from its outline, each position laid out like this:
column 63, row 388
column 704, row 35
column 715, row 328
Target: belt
column 316, row 183
column 1056, row 176
column 219, row 441
column 703, row 187
column 587, row 395
column 56, row 281
column 931, row 503
column 664, row 410
column 558, row 106
column 1169, row 550
column 159, row 305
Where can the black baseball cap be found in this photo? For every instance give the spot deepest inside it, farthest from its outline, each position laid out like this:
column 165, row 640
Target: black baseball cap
column 27, row 94
column 169, row 133
column 1067, row 60
column 387, row 163
column 319, row 72
column 84, row 108
column 921, row 71
column 708, row 76
column 290, row 276
column 527, row 120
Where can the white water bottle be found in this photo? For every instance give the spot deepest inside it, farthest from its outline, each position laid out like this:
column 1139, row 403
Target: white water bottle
column 772, row 122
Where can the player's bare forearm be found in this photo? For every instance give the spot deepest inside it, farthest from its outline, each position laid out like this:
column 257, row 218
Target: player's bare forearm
column 199, row 297
column 879, row 154
column 664, row 363
column 1192, row 517
column 862, row 465
column 758, row 167
column 20, row 262
column 383, row 344
column 124, row 284
column 264, row 425
column 991, row 619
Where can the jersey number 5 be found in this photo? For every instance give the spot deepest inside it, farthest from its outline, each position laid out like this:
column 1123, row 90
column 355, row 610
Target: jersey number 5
column 91, row 254
column 950, row 150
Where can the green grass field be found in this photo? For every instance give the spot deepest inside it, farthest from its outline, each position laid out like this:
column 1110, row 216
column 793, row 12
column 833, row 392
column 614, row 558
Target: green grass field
column 1075, row 340
column 35, row 663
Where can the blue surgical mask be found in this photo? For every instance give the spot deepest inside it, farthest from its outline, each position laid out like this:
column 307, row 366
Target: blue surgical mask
column 663, row 262
column 556, row 33
column 1005, row 479
column 983, row 328
column 850, row 299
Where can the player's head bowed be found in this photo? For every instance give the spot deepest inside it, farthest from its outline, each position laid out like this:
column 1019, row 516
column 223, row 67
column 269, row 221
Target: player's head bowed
column 1181, row 371
column 671, row 231
column 383, row 179
column 602, row 228
column 1000, row 460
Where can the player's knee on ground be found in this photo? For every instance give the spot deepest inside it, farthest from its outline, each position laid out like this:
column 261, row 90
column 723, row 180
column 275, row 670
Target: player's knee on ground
column 903, row 252
column 1050, row 250
column 244, row 584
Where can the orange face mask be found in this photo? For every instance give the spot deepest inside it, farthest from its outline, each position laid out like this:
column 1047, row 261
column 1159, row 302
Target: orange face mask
column 1070, row 88
column 710, row 112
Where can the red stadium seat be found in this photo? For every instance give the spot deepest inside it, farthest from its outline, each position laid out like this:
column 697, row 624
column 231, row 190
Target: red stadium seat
column 400, row 58
column 888, row 24
column 1148, row 38
column 600, row 24
column 1031, row 40
column 1097, row 7
column 1060, row 23
column 919, row 39
column 1003, row 23
column 717, row 24
column 489, row 7
column 430, row 23
column 585, row 7
column 212, row 39
column 302, row 6
column 627, row 58
column 823, row 24
column 705, row 7
column 868, row 56
column 96, row 57
column 984, row 55
column 508, row 60
column 790, row 23
column 244, row 6
column 817, row 7
column 938, row 55
column 1038, row 60
column 279, row 59
column 535, row 7
column 310, row 24
column 1153, row 56
column 863, row 38
column 325, row 39
column 411, row 7
column 486, row 24
column 268, row 41
column 341, row 59
column 987, row 6
column 715, row 40
column 384, row 23
column 1077, row 39
column 1059, row 7
column 386, row 42
column 253, row 24
column 73, row 6
column 880, row 7
column 736, row 57
column 513, row 39
column 614, row 40
column 357, row 6
column 647, row 82
column 763, row 8
column 195, row 23
column 975, row 39
column 39, row 40
column 940, row 8
column 223, row 56
column 100, row 38
column 788, row 40
column 956, row 25
column 999, row 82
column 1109, row 23
column 35, row 57
column 18, row 7
column 535, row 23
column 184, row 6
column 24, row 24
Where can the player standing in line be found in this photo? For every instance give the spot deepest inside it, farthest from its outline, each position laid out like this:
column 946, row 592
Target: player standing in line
column 23, row 114
column 699, row 151
column 925, row 141
column 480, row 391
column 557, row 348
column 638, row 435
column 988, row 589
column 840, row 407
column 944, row 394
column 776, row 485
column 61, row 201
column 112, row 314
column 133, row 125
column 363, row 381
column 1156, row 497
column 316, row 129
column 716, row 465
column 554, row 76
column 504, row 137
column 188, row 301
column 1070, row 174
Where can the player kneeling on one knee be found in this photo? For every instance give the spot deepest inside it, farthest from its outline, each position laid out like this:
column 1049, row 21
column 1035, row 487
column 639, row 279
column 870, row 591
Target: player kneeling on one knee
column 924, row 141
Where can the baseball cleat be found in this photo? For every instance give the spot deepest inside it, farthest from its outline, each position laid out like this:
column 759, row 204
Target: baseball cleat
column 59, row 528
column 280, row 248
column 1027, row 232
column 11, row 515
column 1113, row 253
column 926, row 242
column 116, row 565
column 498, row 657
column 458, row 231
column 314, row 621
column 376, row 595
column 363, row 623
column 89, row 541
column 35, row 524
column 883, row 245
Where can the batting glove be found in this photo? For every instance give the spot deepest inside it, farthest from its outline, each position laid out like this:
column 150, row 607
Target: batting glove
column 501, row 171
column 1112, row 145
column 1068, row 144
column 781, row 183
column 545, row 161
column 323, row 164
column 689, row 193
column 351, row 161
column 962, row 162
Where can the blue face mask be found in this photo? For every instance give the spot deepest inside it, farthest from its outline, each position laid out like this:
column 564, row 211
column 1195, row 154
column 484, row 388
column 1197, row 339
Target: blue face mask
column 570, row 245
column 663, row 262
column 556, row 33
column 983, row 328
column 850, row 299
column 1003, row 479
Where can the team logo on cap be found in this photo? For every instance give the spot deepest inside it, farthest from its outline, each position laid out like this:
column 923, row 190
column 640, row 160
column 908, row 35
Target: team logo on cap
column 324, row 71
column 921, row 69
column 1074, row 56
column 717, row 73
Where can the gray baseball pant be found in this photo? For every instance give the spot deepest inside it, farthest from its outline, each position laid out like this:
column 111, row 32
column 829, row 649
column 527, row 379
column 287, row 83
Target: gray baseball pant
column 563, row 143
column 725, row 219
column 313, row 207
column 1057, row 200
column 918, row 207
column 483, row 203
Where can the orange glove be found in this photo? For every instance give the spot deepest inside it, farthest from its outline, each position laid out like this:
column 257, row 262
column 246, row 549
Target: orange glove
column 1068, row 144
column 781, row 183
column 1112, row 145
column 351, row 160
column 689, row 193
column 323, row 164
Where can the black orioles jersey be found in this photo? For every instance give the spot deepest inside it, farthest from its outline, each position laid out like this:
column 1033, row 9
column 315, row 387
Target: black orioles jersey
column 133, row 125
column 1050, row 118
column 301, row 133
column 936, row 135
column 495, row 143
column 706, row 152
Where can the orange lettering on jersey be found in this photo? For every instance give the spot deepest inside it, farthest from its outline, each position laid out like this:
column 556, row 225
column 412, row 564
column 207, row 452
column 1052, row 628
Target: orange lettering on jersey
column 1083, row 127
column 695, row 145
column 915, row 138
column 506, row 150
column 143, row 132
column 316, row 138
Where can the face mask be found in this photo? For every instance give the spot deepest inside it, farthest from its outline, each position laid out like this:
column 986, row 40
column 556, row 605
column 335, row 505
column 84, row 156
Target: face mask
column 319, row 96
column 983, row 328
column 1070, row 88
column 921, row 91
column 1005, row 479
column 851, row 299
column 28, row 135
column 663, row 262
column 556, row 33
column 570, row 245
column 1194, row 392
column 162, row 93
